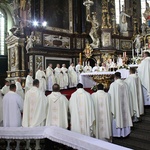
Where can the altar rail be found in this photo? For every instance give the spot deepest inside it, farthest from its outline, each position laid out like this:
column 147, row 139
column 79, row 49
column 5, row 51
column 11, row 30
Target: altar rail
column 34, row 138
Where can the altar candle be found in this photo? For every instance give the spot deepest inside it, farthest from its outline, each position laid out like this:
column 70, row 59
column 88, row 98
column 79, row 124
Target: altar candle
column 80, row 57
column 132, row 53
column 124, row 54
column 83, row 63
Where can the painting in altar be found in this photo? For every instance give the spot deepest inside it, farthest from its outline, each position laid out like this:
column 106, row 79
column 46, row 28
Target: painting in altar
column 57, row 14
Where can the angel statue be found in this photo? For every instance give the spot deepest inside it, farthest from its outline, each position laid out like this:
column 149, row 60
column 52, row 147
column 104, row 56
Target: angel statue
column 93, row 32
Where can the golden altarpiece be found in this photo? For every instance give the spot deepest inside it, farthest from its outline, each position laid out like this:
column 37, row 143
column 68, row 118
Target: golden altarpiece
column 69, row 30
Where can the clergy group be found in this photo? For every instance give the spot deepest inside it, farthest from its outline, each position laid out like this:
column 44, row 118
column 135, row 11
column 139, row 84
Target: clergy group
column 101, row 114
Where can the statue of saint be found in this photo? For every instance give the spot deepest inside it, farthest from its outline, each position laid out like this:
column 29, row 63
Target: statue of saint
column 123, row 20
column 30, row 42
column 93, row 32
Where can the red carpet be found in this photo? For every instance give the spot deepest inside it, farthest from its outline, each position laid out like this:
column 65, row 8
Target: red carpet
column 68, row 92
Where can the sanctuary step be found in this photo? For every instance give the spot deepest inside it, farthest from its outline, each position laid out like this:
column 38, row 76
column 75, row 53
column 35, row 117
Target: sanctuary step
column 139, row 139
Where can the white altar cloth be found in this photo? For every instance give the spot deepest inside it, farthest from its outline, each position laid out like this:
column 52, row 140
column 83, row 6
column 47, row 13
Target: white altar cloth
column 60, row 135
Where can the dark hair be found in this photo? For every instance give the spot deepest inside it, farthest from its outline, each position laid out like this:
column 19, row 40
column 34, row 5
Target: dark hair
column 79, row 85
column 117, row 75
column 147, row 53
column 6, row 81
column 12, row 87
column 100, row 86
column 56, row 87
column 132, row 70
column 36, row 82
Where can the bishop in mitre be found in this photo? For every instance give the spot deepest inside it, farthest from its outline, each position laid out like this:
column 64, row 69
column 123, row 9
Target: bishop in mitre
column 50, row 77
column 35, row 104
column 103, row 116
column 144, row 75
column 59, row 76
column 135, row 87
column 82, row 111
column 41, row 76
column 57, row 110
column 121, row 107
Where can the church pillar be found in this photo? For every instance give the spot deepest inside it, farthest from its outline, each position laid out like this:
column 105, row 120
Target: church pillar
column 8, row 59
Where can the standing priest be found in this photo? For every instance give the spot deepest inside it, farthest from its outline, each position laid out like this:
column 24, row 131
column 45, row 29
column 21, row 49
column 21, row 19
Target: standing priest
column 121, row 107
column 81, row 111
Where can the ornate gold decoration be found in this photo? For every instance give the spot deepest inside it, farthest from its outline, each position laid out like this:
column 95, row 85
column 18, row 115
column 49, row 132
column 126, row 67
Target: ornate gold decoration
column 88, row 50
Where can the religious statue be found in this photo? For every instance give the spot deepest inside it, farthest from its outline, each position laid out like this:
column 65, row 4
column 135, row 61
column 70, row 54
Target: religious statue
column 30, row 42
column 123, row 20
column 88, row 51
column 143, row 28
column 137, row 42
column 93, row 32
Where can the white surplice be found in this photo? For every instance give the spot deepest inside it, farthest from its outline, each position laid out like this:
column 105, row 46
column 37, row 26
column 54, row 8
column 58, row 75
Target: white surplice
column 5, row 89
column 135, row 87
column 65, row 77
column 59, row 77
column 96, row 69
column 50, row 78
column 72, row 77
column 82, row 112
column 12, row 108
column 34, row 111
column 103, row 116
column 40, row 75
column 57, row 111
column 29, row 83
column 79, row 70
column 19, row 89
column 144, row 75
column 87, row 68
column 121, row 108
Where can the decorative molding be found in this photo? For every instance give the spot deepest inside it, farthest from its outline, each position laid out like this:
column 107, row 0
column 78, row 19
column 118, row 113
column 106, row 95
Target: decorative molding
column 126, row 45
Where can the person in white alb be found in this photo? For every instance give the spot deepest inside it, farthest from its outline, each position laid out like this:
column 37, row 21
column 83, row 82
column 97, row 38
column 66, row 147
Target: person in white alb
column 79, row 70
column 40, row 75
column 121, row 107
column 65, row 76
column 35, row 105
column 29, row 81
column 81, row 111
column 103, row 117
column 19, row 89
column 96, row 68
column 57, row 110
column 5, row 88
column 72, row 76
column 50, row 77
column 135, row 88
column 59, row 76
column 12, row 108
column 87, row 68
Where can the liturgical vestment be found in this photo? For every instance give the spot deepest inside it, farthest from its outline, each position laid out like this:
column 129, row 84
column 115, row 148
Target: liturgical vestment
column 144, row 75
column 81, row 111
column 19, row 89
column 29, row 83
column 121, row 108
column 65, row 77
column 57, row 111
column 34, row 112
column 5, row 89
column 135, row 88
column 103, row 117
column 12, row 108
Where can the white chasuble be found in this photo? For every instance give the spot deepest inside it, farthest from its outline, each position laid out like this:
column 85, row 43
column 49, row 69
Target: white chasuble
column 102, row 114
column 57, row 111
column 82, row 112
column 65, row 77
column 29, row 83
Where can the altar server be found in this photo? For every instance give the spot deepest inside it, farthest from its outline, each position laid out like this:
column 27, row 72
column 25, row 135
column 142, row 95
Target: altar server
column 65, row 76
column 72, row 76
column 50, row 77
column 19, row 89
column 12, row 108
column 57, row 111
column 121, row 107
column 40, row 75
column 135, row 88
column 35, row 103
column 102, row 113
column 144, row 75
column 29, row 81
column 59, row 76
column 81, row 111
column 5, row 88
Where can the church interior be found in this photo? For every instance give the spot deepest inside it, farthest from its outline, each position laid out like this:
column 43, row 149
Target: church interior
column 36, row 33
